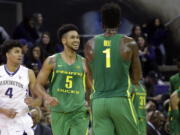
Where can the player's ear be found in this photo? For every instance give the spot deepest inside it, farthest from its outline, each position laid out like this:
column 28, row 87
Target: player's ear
column 7, row 54
column 63, row 40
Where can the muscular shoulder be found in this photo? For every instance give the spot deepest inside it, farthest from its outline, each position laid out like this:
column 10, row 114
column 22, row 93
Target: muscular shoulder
column 129, row 41
column 51, row 61
column 88, row 50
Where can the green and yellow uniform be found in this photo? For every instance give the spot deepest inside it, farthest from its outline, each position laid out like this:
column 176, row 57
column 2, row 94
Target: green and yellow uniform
column 112, row 108
column 175, row 122
column 175, row 82
column 68, row 86
column 175, row 119
column 139, row 101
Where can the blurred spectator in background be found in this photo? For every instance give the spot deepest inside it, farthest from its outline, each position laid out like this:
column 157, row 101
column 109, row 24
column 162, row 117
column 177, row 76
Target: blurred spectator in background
column 39, row 129
column 35, row 59
column 25, row 48
column 155, row 123
column 149, row 82
column 48, row 48
column 157, row 35
column 147, row 55
column 26, row 30
column 38, row 23
column 136, row 32
column 3, row 35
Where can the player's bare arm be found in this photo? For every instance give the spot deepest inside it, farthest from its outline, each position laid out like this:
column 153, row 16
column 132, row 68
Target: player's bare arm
column 10, row 113
column 88, row 82
column 88, row 52
column 174, row 101
column 36, row 100
column 129, row 51
column 42, row 80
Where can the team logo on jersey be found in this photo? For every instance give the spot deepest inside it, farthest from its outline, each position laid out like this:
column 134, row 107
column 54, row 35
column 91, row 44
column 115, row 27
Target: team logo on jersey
column 107, row 42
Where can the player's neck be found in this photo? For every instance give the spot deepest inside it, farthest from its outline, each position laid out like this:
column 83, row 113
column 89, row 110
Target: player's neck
column 11, row 67
column 69, row 56
column 110, row 31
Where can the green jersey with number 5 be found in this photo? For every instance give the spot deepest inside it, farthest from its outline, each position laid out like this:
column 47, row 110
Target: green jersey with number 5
column 67, row 84
column 109, row 70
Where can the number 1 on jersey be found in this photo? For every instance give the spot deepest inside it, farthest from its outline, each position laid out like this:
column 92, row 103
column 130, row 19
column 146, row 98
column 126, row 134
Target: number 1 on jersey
column 108, row 57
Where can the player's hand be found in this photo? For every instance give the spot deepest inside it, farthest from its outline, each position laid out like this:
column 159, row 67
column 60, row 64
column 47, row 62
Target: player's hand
column 10, row 113
column 33, row 102
column 52, row 101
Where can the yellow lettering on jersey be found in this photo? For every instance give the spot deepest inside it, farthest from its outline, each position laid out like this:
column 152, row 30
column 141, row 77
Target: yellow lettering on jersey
column 69, row 73
column 68, row 91
column 107, row 42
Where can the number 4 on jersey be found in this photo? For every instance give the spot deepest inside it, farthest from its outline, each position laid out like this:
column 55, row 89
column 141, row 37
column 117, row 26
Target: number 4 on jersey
column 9, row 92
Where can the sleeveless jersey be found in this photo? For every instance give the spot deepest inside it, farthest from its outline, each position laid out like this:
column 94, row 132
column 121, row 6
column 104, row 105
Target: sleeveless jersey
column 110, row 71
column 139, row 101
column 14, row 89
column 68, row 85
column 175, row 82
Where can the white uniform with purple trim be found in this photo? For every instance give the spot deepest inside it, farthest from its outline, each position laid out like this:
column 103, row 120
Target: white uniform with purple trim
column 13, row 91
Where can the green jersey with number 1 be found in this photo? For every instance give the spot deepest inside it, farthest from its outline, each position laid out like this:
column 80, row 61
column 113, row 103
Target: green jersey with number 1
column 68, row 85
column 110, row 71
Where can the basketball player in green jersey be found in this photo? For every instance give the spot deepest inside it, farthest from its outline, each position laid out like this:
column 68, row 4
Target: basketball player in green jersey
column 109, row 58
column 67, row 85
column 139, row 101
column 175, row 113
column 175, row 79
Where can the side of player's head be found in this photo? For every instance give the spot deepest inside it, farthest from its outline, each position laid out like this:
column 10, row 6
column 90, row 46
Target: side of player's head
column 110, row 15
column 10, row 44
column 65, row 29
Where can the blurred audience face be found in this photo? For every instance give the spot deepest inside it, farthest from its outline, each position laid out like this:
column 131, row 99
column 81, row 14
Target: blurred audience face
column 39, row 18
column 141, row 42
column 157, row 119
column 25, row 49
column 137, row 30
column 150, row 106
column 45, row 38
column 36, row 52
column 157, row 22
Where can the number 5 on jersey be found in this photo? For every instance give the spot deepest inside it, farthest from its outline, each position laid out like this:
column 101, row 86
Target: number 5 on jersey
column 9, row 92
column 69, row 82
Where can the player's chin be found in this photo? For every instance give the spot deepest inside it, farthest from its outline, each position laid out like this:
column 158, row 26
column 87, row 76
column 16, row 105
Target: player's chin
column 75, row 48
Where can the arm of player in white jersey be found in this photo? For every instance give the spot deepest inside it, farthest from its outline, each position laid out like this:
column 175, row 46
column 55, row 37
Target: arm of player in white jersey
column 36, row 100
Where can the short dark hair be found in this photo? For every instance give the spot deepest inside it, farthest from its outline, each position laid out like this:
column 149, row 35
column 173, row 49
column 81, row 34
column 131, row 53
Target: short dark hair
column 9, row 44
column 66, row 28
column 110, row 15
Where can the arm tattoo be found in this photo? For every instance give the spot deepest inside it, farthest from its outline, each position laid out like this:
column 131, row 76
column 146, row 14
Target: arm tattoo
column 52, row 61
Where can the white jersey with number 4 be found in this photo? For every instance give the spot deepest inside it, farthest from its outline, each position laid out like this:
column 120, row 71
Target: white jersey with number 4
column 14, row 88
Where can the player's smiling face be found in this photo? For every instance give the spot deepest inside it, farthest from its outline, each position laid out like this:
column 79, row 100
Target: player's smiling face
column 15, row 55
column 72, row 40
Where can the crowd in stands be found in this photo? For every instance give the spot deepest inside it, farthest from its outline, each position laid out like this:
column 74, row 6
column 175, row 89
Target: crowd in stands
column 151, row 39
